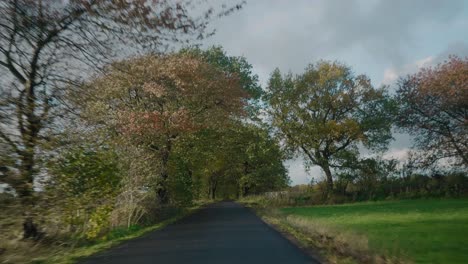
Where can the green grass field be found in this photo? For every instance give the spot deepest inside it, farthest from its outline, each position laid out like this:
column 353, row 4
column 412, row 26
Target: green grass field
column 424, row 231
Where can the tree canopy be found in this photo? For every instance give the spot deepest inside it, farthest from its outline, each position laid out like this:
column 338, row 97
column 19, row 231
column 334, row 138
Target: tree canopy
column 434, row 109
column 326, row 112
column 154, row 100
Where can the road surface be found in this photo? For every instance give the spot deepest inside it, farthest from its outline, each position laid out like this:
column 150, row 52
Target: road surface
column 224, row 232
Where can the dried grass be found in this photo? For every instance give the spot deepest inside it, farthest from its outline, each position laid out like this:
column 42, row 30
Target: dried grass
column 335, row 245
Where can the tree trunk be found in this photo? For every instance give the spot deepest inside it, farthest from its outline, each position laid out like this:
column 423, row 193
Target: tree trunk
column 30, row 229
column 245, row 191
column 162, row 184
column 162, row 189
column 328, row 174
column 213, row 186
column 213, row 193
column 29, row 124
column 26, row 191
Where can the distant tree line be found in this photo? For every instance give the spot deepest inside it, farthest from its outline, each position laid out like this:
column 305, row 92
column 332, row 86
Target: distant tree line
column 365, row 186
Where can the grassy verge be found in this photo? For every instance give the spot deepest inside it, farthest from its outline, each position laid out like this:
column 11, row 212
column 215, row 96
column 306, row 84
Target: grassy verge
column 425, row 231
column 44, row 253
column 324, row 242
column 420, row 231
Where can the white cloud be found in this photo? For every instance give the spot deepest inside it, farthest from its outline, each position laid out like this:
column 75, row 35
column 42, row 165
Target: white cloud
column 424, row 62
column 399, row 154
column 392, row 74
column 299, row 174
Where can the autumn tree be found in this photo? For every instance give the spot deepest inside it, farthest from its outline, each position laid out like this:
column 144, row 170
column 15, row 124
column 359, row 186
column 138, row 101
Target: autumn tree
column 46, row 45
column 153, row 100
column 235, row 66
column 327, row 112
column 434, row 109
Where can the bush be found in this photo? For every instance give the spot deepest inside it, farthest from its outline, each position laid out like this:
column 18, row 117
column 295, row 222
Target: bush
column 98, row 222
column 437, row 185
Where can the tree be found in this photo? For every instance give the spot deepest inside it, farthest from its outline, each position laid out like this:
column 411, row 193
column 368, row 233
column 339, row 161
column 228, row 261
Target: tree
column 262, row 162
column 46, row 45
column 84, row 170
column 235, row 160
column 232, row 65
column 326, row 112
column 153, row 100
column 434, row 109
column 235, row 66
column 84, row 182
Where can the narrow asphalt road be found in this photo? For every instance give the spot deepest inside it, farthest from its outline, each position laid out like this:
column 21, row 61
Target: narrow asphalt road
column 224, row 232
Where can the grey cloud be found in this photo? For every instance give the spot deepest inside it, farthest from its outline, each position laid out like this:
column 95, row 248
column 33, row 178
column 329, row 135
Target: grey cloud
column 385, row 29
column 459, row 49
column 392, row 74
column 292, row 33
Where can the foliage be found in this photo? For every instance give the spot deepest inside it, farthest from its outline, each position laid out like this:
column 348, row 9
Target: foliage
column 45, row 46
column 98, row 222
column 433, row 108
column 49, row 46
column 66, row 249
column 82, row 171
column 81, row 189
column 232, row 65
column 326, row 112
column 370, row 180
column 186, row 110
column 234, row 161
column 263, row 168
column 138, row 198
column 151, row 96
column 160, row 124
column 182, row 190
column 152, row 101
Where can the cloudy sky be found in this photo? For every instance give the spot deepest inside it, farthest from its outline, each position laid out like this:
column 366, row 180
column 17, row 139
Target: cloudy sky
column 381, row 38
